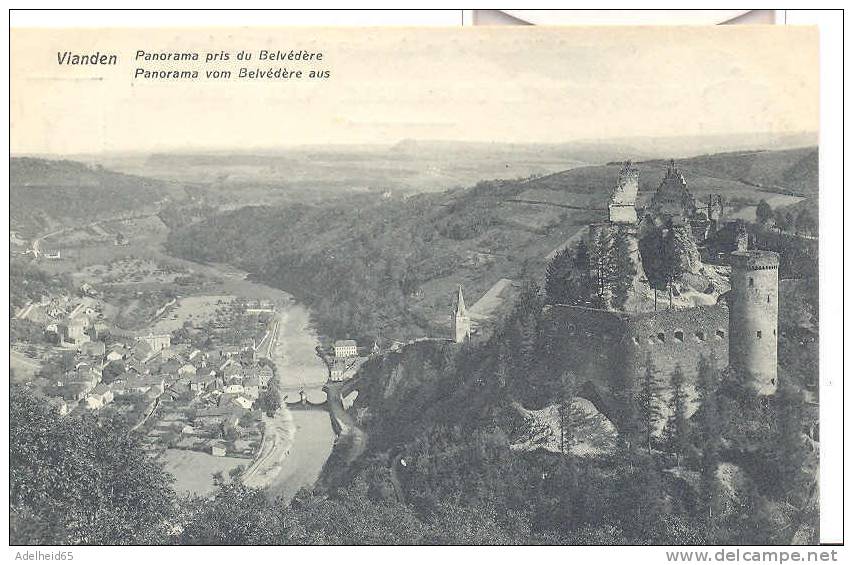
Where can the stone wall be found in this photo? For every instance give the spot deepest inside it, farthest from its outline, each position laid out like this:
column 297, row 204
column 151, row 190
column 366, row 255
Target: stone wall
column 611, row 349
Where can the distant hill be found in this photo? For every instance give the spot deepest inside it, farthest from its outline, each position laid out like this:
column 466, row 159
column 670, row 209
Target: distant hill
column 791, row 170
column 599, row 151
column 44, row 194
column 367, row 264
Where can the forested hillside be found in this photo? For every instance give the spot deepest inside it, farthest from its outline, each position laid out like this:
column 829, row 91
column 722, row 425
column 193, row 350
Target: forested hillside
column 44, row 193
column 368, row 265
column 442, row 465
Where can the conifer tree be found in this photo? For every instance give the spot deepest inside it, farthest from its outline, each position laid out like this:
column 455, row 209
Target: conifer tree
column 676, row 431
column 558, row 276
column 789, row 446
column 601, row 262
column 567, row 394
column 648, row 403
column 763, row 212
column 710, row 429
column 623, row 269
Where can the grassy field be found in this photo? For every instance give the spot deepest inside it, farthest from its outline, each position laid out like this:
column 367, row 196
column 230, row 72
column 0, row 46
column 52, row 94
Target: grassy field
column 196, row 309
column 193, row 470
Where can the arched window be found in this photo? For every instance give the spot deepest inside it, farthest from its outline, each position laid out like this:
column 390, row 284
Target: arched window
column 758, row 334
column 679, row 336
column 662, row 337
column 751, row 282
column 700, row 336
column 721, row 334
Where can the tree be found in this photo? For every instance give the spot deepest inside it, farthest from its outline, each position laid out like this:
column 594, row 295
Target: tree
column 676, row 431
column 237, row 515
column 81, row 480
column 783, row 219
column 671, row 255
column 558, row 276
column 805, row 221
column 623, row 271
column 567, row 394
column 270, row 399
column 789, row 449
column 601, row 263
column 763, row 212
column 710, row 430
column 648, row 402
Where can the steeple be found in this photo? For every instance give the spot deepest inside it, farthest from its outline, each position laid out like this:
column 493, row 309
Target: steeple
column 461, row 321
column 460, row 303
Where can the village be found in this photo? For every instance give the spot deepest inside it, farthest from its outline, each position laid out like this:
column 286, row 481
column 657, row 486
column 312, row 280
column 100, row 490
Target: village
column 198, row 380
column 181, row 395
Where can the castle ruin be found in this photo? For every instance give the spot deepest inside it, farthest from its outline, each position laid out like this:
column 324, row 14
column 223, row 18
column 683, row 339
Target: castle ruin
column 754, row 317
column 611, row 348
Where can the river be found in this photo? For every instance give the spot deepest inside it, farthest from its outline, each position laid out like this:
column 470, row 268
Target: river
column 299, row 441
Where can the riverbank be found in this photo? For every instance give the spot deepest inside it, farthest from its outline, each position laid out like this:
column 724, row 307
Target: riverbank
column 296, row 443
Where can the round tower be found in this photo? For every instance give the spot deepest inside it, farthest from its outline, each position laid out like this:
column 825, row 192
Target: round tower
column 754, row 317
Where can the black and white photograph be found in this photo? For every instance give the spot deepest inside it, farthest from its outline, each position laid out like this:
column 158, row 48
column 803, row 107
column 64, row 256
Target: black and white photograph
column 495, row 285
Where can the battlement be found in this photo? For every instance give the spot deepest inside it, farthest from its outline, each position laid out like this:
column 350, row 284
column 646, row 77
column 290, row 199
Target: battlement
column 755, row 260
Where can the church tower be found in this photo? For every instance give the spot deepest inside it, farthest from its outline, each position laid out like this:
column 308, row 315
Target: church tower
column 461, row 321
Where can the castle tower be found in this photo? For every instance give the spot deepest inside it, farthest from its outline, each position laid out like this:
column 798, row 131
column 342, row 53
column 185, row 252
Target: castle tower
column 461, row 321
column 672, row 198
column 754, row 317
column 621, row 208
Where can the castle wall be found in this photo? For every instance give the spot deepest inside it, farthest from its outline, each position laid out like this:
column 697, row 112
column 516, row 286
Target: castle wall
column 611, row 349
column 678, row 338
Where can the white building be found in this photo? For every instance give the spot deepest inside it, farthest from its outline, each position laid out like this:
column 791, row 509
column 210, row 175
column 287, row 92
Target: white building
column 346, row 348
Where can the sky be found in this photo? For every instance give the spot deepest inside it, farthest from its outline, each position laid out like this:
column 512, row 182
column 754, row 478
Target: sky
column 509, row 84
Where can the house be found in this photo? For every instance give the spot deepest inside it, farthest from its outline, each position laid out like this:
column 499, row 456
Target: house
column 346, row 348
column 74, row 331
column 86, row 373
column 117, row 352
column 75, row 390
column 243, row 402
column 93, row 348
column 218, row 449
column 265, row 375
column 156, row 342
column 154, row 382
column 252, row 388
column 175, row 350
column 338, row 369
column 187, row 370
column 141, row 350
column 58, row 404
column 201, row 383
column 119, row 388
column 233, row 371
column 171, row 366
column 233, row 388
column 101, row 329
column 99, row 397
column 135, row 365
